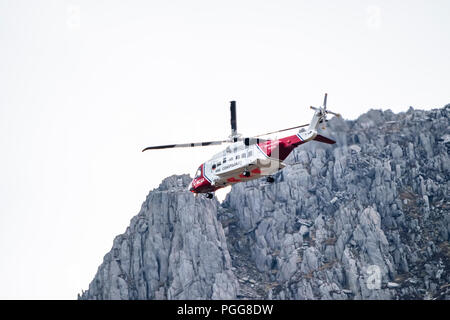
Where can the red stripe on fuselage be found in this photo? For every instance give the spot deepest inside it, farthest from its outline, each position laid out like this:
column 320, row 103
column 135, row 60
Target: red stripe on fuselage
column 280, row 148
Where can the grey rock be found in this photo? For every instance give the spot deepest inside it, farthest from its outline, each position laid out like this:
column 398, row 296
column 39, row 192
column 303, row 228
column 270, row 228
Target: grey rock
column 304, row 230
column 174, row 249
column 392, row 285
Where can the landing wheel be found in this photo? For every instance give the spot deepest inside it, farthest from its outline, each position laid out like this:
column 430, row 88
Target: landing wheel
column 270, row 179
column 209, row 195
column 246, row 173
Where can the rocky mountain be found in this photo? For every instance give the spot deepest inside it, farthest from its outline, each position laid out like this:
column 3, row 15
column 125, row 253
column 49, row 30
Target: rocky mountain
column 366, row 218
column 175, row 248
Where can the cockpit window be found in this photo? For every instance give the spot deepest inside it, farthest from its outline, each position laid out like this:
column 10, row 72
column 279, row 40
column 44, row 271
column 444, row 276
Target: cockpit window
column 198, row 174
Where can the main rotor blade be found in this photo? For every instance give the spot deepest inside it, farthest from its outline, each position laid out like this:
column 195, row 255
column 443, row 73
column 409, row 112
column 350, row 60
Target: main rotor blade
column 233, row 118
column 186, row 145
column 264, row 134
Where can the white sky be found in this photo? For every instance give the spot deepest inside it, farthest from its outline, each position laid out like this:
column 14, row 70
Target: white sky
column 85, row 85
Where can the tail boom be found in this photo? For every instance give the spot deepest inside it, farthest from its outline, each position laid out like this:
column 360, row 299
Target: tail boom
column 323, row 139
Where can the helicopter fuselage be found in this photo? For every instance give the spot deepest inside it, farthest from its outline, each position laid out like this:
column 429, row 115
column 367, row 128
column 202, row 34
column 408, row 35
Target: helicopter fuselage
column 240, row 162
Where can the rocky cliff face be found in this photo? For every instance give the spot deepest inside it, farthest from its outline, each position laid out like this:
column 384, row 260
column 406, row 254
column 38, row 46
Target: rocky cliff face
column 173, row 249
column 366, row 218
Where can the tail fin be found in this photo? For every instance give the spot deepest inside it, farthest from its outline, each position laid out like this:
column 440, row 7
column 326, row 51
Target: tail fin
column 323, row 139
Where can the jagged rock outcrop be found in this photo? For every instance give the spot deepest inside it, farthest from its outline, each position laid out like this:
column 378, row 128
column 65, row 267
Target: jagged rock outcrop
column 366, row 218
column 173, row 249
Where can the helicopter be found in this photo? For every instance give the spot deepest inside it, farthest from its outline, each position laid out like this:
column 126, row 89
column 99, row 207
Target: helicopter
column 249, row 158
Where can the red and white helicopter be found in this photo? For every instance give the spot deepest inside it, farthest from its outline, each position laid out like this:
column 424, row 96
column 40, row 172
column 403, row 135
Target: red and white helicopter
column 250, row 158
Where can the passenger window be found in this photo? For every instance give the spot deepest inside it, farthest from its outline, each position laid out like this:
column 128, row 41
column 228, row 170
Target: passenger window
column 250, row 153
column 230, row 159
column 214, row 166
column 219, row 164
column 243, row 155
column 224, row 160
column 238, row 157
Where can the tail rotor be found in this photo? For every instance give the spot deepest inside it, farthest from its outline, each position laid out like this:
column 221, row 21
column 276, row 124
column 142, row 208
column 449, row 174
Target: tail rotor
column 322, row 112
